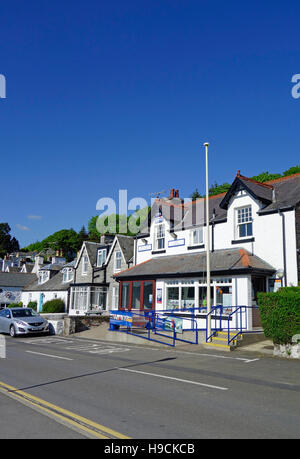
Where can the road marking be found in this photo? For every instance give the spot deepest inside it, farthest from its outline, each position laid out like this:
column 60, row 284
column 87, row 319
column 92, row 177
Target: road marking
column 174, row 379
column 50, row 355
column 62, row 415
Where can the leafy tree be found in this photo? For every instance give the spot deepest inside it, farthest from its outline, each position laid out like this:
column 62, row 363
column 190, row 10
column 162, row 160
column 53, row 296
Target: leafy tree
column 83, row 234
column 195, row 195
column 117, row 224
column 218, row 189
column 265, row 177
column 292, row 170
column 8, row 244
column 67, row 240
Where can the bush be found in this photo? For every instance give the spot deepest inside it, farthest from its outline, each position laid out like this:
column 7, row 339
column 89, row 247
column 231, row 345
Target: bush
column 54, row 306
column 15, row 305
column 32, row 305
column 280, row 314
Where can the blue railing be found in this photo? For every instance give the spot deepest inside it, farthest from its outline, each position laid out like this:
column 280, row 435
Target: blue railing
column 237, row 321
column 153, row 322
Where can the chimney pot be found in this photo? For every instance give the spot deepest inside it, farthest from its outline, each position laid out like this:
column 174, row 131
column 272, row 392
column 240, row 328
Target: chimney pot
column 172, row 193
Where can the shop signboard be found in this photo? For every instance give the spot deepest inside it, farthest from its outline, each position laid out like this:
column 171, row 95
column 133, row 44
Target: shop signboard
column 120, row 318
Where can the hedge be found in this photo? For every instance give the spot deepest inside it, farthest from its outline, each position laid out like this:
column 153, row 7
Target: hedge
column 280, row 314
column 54, row 306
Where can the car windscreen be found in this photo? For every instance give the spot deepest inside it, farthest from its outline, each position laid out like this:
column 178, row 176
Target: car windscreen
column 23, row 313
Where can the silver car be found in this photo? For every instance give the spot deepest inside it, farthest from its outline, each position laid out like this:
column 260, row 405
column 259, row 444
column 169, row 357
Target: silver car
column 22, row 321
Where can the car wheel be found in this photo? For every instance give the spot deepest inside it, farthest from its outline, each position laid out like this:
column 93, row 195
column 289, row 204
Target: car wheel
column 12, row 331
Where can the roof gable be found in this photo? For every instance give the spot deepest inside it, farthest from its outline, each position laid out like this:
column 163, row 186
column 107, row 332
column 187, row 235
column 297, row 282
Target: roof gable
column 260, row 191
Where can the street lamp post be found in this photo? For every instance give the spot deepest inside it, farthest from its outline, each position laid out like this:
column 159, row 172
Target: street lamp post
column 208, row 298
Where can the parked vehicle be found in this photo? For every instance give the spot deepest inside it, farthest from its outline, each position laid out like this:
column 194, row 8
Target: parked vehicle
column 22, row 321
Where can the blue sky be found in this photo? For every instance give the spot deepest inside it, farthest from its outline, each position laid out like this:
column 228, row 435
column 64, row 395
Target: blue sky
column 108, row 95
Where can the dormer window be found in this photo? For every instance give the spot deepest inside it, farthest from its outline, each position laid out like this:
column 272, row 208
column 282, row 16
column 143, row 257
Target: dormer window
column 67, row 275
column 118, row 261
column 85, row 264
column 244, row 222
column 101, row 257
column 43, row 277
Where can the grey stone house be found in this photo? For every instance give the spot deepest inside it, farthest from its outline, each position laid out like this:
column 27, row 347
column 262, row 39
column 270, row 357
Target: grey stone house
column 88, row 291
column 120, row 258
column 94, row 289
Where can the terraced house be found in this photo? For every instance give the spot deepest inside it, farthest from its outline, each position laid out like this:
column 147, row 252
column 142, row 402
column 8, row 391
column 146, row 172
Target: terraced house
column 94, row 290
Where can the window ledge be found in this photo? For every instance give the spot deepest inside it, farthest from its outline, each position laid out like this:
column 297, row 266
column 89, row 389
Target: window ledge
column 154, row 252
column 239, row 241
column 194, row 247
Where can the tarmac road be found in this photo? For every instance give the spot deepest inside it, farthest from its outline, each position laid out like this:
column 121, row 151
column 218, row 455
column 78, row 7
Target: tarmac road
column 80, row 388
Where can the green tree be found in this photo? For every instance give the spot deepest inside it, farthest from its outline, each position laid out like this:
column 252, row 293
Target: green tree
column 292, row 170
column 83, row 235
column 195, row 195
column 218, row 189
column 8, row 244
column 265, row 177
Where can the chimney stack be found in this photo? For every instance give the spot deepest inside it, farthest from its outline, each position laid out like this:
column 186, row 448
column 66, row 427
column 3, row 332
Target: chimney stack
column 172, row 193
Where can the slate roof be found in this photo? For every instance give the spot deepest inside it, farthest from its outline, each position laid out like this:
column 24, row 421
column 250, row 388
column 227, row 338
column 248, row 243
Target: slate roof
column 92, row 250
column 227, row 260
column 54, row 284
column 16, row 279
column 278, row 194
column 275, row 194
column 127, row 246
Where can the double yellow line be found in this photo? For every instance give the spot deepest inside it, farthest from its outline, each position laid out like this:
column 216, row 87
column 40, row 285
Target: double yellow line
column 84, row 425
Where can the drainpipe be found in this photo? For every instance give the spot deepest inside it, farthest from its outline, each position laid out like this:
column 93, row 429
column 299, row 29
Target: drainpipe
column 284, row 246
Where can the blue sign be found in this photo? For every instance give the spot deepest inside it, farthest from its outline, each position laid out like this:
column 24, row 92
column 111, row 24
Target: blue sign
column 120, row 318
column 176, row 242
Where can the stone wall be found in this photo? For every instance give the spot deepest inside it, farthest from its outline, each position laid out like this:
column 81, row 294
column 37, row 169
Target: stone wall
column 64, row 325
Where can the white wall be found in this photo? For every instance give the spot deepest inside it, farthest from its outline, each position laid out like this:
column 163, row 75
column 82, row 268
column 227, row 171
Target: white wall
column 267, row 232
column 35, row 296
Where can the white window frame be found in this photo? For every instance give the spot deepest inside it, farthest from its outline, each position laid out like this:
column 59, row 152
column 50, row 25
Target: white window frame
column 243, row 218
column 44, row 276
column 160, row 235
column 85, row 264
column 101, row 257
column 68, row 275
column 199, row 239
column 115, row 297
column 117, row 260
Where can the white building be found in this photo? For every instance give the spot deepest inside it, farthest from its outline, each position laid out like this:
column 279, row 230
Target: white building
column 254, row 246
column 51, row 282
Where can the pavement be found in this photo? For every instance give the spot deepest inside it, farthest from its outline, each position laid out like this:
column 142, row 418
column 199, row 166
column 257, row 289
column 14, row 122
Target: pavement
column 255, row 343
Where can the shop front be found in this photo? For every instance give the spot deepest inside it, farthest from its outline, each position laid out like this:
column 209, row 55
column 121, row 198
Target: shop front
column 175, row 285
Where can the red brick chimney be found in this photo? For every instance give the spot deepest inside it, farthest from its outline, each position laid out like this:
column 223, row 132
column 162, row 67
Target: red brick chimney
column 176, row 193
column 172, row 193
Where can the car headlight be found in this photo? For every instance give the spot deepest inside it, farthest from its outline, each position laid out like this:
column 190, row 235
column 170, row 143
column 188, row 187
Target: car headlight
column 20, row 322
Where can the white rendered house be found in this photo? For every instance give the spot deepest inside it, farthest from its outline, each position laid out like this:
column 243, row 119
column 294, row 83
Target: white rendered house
column 254, row 246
